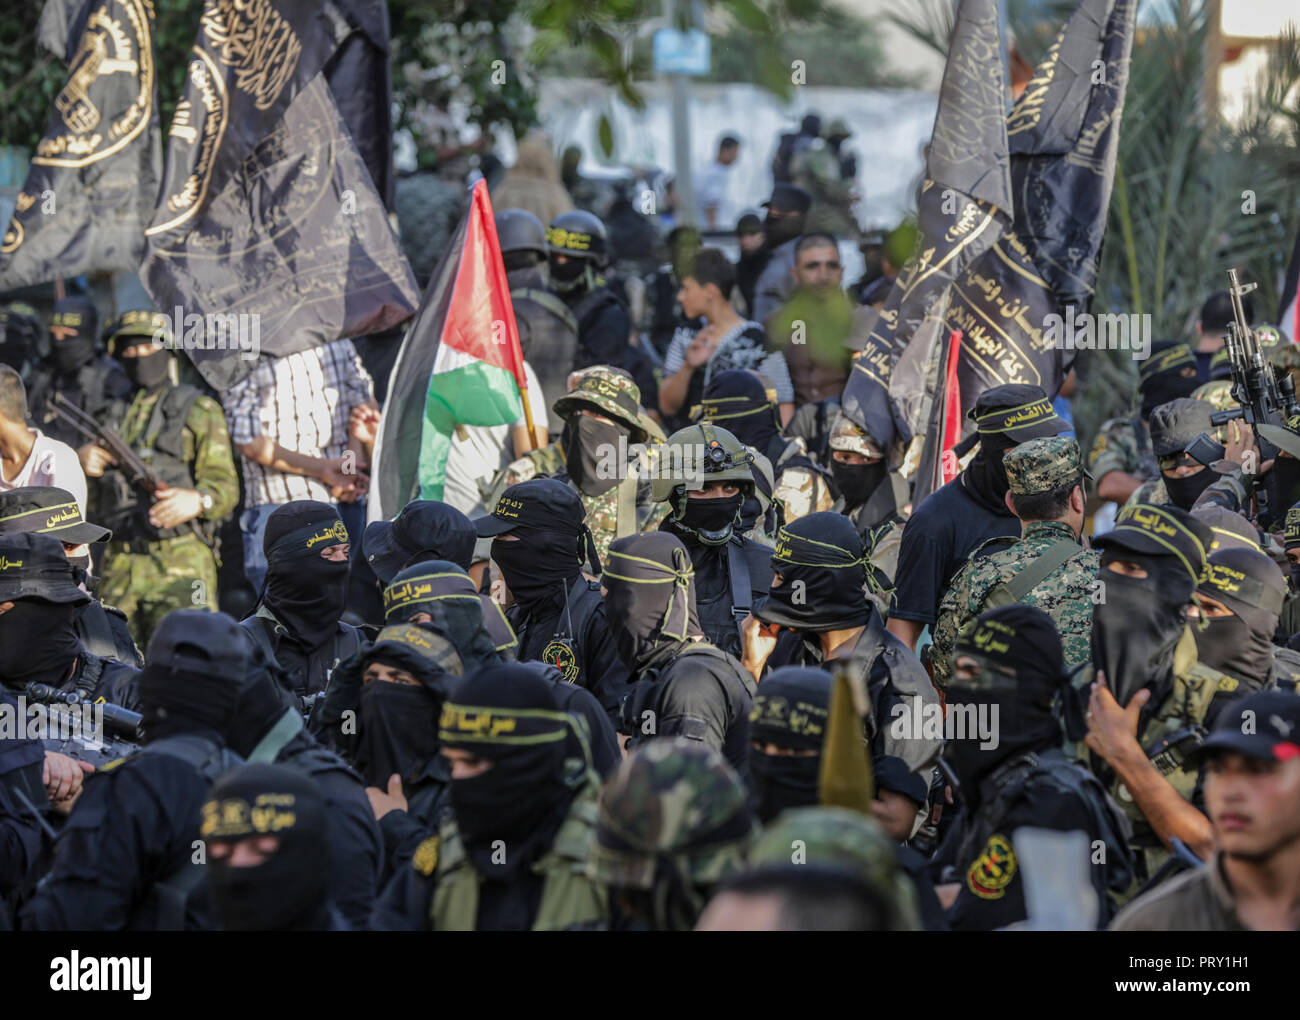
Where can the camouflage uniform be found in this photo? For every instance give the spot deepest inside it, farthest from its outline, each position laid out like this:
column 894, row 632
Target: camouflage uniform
column 1123, row 444
column 844, row 840
column 1065, row 594
column 610, row 392
column 662, row 810
column 148, row 578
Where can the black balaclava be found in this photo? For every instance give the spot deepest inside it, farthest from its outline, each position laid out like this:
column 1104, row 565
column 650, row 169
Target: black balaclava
column 857, row 482
column 288, row 891
column 1283, row 483
column 650, row 600
column 150, row 372
column 711, row 520
column 1183, row 492
column 777, row 230
column 1241, row 645
column 306, row 593
column 1291, row 540
column 985, row 477
column 18, row 336
column 507, row 713
column 264, row 704
column 737, row 400
column 540, row 568
column 1139, row 622
column 444, row 591
column 790, row 711
column 80, row 314
column 572, row 275
column 48, row 660
column 398, row 724
column 591, row 450
column 193, row 672
column 1022, row 674
column 1160, row 387
column 823, row 570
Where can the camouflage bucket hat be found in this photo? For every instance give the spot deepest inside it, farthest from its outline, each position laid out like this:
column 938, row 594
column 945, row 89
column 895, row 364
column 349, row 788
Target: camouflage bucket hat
column 1218, row 394
column 848, row 435
column 1042, row 465
column 611, row 393
column 676, row 801
column 137, row 326
column 839, row 839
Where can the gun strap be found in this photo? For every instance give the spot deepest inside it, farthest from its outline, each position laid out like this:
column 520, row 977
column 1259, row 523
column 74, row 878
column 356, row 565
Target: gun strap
column 1037, row 571
column 550, row 302
column 741, row 594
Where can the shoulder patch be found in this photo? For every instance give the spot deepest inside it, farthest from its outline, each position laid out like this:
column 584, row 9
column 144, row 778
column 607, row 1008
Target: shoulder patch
column 993, row 870
column 426, row 856
column 1228, row 683
column 1098, row 444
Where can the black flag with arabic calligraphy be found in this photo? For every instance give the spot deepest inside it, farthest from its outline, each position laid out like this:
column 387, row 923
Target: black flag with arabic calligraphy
column 1064, row 138
column 267, row 208
column 963, row 206
column 93, row 179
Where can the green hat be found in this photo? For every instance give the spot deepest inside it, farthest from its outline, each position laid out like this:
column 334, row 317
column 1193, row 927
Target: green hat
column 700, row 454
column 838, row 128
column 1177, row 423
column 141, row 325
column 610, row 391
column 673, row 802
column 1160, row 531
column 1043, row 465
column 1218, row 394
column 844, row 840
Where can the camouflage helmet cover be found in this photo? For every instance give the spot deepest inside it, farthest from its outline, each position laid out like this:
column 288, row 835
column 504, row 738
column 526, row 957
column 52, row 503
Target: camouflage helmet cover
column 700, row 454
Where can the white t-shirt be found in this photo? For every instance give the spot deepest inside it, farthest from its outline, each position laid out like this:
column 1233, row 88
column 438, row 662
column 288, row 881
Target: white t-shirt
column 483, row 452
column 712, row 190
column 50, row 463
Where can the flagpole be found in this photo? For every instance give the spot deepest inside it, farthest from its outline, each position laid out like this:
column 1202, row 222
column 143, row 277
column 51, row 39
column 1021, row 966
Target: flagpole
column 528, row 417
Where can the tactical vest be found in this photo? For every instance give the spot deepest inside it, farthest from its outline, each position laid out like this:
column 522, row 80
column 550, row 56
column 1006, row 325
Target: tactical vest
column 99, row 637
column 163, row 907
column 1168, row 731
column 1051, row 767
column 563, row 646
column 646, row 694
column 347, row 642
column 120, row 505
column 570, row 899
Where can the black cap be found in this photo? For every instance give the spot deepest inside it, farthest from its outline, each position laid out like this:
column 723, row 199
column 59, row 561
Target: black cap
column 1021, row 641
column 1165, row 356
column 1177, row 423
column 424, row 526
column 1264, row 725
column 892, row 773
column 1291, row 532
column 789, row 198
column 1229, row 529
column 48, row 511
column 1244, row 579
column 791, row 708
column 77, row 313
column 34, row 566
column 1160, row 531
column 543, row 504
column 749, row 223
column 1017, row 411
column 200, row 643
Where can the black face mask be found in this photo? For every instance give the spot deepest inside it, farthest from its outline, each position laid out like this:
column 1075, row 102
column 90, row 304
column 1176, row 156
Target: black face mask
column 985, row 476
column 782, row 781
column 72, row 354
column 308, row 595
column 591, row 449
column 778, row 230
column 857, row 482
column 1283, row 481
column 1294, row 570
column 569, row 276
column 539, row 568
column 712, row 519
column 398, row 731
column 1184, row 491
column 47, row 660
column 1230, row 645
column 1138, row 623
column 650, row 612
column 1166, row 386
column 517, row 801
column 148, row 372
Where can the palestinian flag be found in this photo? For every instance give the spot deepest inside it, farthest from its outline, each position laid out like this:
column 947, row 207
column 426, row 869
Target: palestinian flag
column 460, row 364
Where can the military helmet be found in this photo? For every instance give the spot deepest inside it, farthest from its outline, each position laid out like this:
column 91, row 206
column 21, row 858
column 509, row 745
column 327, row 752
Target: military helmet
column 520, row 230
column 840, row 839
column 673, row 802
column 699, row 454
column 577, row 234
column 612, row 392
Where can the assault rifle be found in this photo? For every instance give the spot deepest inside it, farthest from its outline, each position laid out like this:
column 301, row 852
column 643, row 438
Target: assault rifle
column 138, row 473
column 1270, row 407
column 71, row 731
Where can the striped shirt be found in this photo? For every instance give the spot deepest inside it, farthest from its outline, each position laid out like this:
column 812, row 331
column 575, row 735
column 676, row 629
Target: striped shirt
column 302, row 401
column 741, row 347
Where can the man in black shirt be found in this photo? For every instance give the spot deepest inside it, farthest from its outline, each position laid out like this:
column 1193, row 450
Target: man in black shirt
column 954, row 521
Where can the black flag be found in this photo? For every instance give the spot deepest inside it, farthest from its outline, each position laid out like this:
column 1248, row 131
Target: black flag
column 267, row 209
column 94, row 178
column 359, row 78
column 1064, row 136
column 963, row 207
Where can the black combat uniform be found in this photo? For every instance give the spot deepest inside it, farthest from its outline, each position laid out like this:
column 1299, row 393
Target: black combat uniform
column 681, row 685
column 1025, row 780
column 558, row 614
column 125, row 858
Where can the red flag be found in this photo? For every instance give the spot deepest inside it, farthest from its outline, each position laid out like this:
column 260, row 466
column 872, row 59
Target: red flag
column 951, row 412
